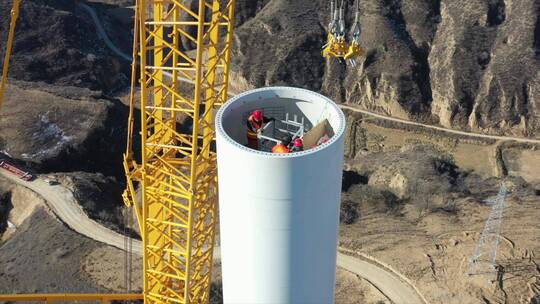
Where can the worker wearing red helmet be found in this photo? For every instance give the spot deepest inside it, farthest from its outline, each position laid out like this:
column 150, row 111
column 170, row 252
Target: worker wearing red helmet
column 298, row 145
column 255, row 123
column 283, row 146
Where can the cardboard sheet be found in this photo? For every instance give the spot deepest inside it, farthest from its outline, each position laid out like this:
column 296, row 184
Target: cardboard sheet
column 312, row 137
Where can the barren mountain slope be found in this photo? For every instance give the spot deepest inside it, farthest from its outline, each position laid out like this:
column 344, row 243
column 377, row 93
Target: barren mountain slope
column 53, row 132
column 44, row 256
column 415, row 211
column 56, row 42
column 464, row 64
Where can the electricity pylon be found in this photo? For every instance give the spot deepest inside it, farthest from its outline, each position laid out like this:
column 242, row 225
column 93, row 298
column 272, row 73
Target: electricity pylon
column 484, row 258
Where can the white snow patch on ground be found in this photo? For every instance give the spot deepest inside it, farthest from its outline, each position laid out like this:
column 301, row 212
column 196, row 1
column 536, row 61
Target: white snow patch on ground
column 5, row 152
column 51, row 135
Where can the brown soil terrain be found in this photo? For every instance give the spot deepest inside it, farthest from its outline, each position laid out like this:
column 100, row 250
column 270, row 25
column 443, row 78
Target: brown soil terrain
column 368, row 135
column 105, row 266
column 56, row 42
column 54, row 129
column 415, row 200
column 439, row 247
column 44, row 256
column 16, row 214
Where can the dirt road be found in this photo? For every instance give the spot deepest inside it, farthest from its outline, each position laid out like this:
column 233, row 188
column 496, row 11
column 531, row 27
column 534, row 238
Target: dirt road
column 63, row 204
column 386, row 282
column 451, row 131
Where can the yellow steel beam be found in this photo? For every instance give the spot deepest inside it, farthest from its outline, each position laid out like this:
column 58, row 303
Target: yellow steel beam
column 178, row 171
column 61, row 297
column 9, row 48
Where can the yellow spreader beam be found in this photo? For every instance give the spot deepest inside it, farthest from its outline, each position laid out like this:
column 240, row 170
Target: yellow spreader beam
column 338, row 46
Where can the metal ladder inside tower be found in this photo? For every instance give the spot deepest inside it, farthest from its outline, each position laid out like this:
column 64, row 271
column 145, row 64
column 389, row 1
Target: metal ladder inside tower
column 271, row 133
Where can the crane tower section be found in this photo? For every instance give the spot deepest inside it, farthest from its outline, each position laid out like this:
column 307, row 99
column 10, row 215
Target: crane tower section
column 179, row 83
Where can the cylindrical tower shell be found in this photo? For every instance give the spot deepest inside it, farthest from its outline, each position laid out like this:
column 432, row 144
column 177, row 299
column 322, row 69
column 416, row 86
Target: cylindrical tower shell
column 279, row 213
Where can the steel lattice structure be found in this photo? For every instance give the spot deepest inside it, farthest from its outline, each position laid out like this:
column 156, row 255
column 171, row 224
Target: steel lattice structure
column 484, row 258
column 177, row 212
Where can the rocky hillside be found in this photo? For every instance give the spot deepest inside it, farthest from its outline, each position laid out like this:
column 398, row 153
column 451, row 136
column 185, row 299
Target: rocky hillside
column 471, row 65
column 56, row 129
column 56, row 42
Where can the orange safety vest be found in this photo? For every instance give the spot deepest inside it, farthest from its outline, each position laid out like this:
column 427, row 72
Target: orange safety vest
column 280, row 148
column 255, row 125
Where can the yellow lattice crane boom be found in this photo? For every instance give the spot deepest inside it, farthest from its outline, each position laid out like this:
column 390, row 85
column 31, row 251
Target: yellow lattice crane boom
column 177, row 211
column 177, row 208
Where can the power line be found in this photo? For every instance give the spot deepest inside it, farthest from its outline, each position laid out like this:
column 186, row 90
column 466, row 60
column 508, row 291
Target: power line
column 485, row 255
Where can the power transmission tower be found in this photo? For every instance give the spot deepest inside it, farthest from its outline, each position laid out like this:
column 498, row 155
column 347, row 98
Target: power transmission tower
column 485, row 254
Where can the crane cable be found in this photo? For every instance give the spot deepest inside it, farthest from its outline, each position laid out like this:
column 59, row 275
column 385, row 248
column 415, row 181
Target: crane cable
column 9, row 48
column 132, row 93
column 128, row 249
column 128, row 241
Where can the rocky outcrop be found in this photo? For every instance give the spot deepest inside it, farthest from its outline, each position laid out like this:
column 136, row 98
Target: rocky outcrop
column 281, row 45
column 419, row 174
column 471, row 65
column 485, row 66
column 244, row 10
column 57, row 42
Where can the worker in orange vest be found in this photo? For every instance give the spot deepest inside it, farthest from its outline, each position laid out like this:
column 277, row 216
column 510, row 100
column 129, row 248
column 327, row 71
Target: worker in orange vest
column 255, row 123
column 283, row 146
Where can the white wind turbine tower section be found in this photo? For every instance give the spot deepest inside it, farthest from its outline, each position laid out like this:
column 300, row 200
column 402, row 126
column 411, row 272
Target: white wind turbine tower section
column 279, row 213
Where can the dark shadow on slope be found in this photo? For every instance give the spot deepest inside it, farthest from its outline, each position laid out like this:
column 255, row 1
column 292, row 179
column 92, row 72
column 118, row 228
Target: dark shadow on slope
column 496, row 12
column 536, row 42
column 351, row 178
column 5, row 208
column 421, row 70
column 348, row 212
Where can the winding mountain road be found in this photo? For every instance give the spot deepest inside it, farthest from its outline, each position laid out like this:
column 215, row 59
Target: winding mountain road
column 63, row 204
column 442, row 129
column 385, row 281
